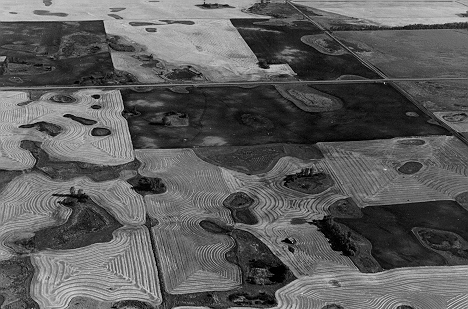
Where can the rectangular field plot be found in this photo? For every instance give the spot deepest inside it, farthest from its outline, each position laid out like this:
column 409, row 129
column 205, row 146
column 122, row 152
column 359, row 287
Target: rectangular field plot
column 210, row 116
column 394, row 13
column 154, row 49
column 288, row 43
column 54, row 53
column 412, row 53
column 61, row 10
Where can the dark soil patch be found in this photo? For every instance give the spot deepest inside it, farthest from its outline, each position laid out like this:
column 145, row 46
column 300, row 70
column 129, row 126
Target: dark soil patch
column 95, row 106
column 390, row 230
column 151, row 29
column 115, row 10
column 141, row 23
column 410, row 168
column 147, row 185
column 96, row 96
column 238, row 200
column 332, row 306
column 345, row 208
column 100, row 132
column 65, row 170
column 183, row 22
column 370, row 111
column 16, row 274
column 49, row 13
column 115, row 16
column 412, row 142
column 183, row 74
column 53, row 53
column 46, row 127
column 88, row 224
column 307, row 181
column 62, row 98
column 131, row 304
column 298, row 221
column 215, row 227
column 282, row 44
column 404, row 307
column 212, row 6
column 83, row 121
column 238, row 203
column 263, row 274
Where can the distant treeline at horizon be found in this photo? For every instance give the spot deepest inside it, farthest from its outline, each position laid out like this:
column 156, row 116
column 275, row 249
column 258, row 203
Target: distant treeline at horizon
column 456, row 25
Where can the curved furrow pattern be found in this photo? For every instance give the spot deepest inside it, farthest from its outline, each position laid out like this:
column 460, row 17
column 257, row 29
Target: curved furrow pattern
column 32, row 193
column 308, row 250
column 106, row 271
column 423, row 287
column 74, row 142
column 192, row 260
column 459, row 301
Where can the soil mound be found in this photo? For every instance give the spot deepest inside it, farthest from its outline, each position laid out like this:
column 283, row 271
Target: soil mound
column 309, row 99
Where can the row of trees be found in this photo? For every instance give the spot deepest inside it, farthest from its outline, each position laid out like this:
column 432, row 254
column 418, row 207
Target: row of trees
column 456, row 25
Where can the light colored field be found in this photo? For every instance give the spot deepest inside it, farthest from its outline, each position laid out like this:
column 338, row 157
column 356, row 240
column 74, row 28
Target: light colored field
column 196, row 191
column 27, row 205
column 122, row 269
column 75, row 143
column 214, row 47
column 413, row 53
column 99, row 10
column 422, row 287
column 368, row 169
column 192, row 260
column 394, row 13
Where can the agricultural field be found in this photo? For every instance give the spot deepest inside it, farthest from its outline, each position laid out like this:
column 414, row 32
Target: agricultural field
column 389, row 13
column 171, row 154
column 216, row 116
column 213, row 48
column 275, row 42
column 55, row 53
column 77, row 10
column 412, row 53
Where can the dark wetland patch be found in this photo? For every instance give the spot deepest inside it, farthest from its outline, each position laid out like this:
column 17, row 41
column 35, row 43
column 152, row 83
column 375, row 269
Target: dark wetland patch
column 16, row 274
column 411, row 167
column 262, row 272
column 282, row 44
column 392, row 232
column 147, row 185
column 100, row 132
column 88, row 224
column 65, row 170
column 182, row 22
column 238, row 203
column 53, row 53
column 115, row 16
column 49, row 13
column 309, row 182
column 83, row 121
column 227, row 116
column 46, row 127
column 115, row 10
column 141, row 23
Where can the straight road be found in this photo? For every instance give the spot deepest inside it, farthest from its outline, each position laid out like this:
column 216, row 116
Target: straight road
column 244, row 83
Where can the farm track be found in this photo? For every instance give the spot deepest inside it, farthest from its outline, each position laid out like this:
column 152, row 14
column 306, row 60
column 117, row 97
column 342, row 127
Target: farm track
column 242, row 83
